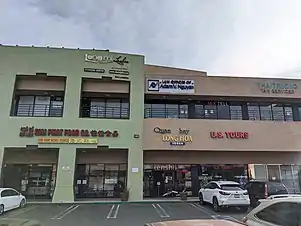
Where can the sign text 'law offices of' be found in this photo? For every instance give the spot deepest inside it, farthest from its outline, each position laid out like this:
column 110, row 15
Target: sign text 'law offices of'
column 170, row 86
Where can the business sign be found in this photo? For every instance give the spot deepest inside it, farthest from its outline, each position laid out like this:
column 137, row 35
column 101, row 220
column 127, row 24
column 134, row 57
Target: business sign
column 31, row 131
column 94, row 70
column 179, row 139
column 67, row 140
column 267, row 87
column 170, row 86
column 229, row 135
column 119, row 64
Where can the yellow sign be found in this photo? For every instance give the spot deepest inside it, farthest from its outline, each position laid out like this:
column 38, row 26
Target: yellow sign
column 176, row 138
column 67, row 141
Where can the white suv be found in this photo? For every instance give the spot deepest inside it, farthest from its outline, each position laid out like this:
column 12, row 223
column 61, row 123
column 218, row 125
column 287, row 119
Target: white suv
column 224, row 194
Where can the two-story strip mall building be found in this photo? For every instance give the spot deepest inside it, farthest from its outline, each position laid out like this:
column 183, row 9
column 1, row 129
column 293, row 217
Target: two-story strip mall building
column 82, row 123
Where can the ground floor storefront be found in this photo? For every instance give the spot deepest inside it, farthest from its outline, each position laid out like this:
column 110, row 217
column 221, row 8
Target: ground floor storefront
column 93, row 173
column 167, row 173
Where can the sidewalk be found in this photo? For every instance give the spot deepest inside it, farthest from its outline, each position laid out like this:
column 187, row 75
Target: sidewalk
column 114, row 201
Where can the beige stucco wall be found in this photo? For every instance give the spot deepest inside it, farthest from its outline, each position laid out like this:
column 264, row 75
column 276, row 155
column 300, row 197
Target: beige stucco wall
column 263, row 135
column 221, row 86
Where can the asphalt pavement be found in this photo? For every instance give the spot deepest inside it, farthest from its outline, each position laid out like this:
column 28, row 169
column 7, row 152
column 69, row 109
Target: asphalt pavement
column 117, row 214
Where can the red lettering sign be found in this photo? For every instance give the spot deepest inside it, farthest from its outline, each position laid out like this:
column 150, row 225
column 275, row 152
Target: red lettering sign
column 30, row 131
column 229, row 135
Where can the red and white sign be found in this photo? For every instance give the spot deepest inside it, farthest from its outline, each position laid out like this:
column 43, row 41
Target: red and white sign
column 229, row 135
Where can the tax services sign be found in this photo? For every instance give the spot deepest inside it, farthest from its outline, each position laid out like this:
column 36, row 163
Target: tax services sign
column 170, row 86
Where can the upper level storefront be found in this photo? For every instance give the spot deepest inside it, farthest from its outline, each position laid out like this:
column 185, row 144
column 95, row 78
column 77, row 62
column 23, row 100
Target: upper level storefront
column 164, row 81
column 185, row 94
column 58, row 88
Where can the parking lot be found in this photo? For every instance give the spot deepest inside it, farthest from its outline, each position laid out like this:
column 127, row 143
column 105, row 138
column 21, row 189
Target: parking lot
column 117, row 214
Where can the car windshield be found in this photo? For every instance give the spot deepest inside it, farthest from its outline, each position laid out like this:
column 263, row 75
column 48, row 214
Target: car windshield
column 231, row 187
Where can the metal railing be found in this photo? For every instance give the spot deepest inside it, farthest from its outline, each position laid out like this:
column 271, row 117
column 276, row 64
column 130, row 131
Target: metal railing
column 165, row 113
column 104, row 112
column 38, row 110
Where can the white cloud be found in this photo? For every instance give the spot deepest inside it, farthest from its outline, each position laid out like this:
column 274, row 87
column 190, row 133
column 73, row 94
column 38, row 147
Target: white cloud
column 246, row 38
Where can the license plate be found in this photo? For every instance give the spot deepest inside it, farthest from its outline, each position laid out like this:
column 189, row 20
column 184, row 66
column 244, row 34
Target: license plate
column 236, row 196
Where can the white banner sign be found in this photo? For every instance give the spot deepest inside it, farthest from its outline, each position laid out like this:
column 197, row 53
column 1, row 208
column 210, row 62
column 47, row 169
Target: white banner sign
column 170, row 85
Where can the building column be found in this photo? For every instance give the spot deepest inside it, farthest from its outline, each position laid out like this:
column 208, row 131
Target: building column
column 1, row 165
column 64, row 187
column 135, row 174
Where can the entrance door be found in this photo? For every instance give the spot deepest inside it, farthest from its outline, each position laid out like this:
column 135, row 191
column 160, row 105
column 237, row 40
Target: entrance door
column 159, row 187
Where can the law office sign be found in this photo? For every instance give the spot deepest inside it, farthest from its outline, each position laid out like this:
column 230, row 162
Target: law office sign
column 276, row 87
column 174, row 86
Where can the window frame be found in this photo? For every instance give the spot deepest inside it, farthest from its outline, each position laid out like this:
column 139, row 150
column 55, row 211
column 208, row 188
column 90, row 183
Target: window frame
column 33, row 106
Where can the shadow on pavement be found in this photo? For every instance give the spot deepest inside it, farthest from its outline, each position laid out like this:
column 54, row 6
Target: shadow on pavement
column 18, row 222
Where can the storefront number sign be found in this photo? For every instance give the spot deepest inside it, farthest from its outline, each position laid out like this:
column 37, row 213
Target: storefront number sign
column 67, row 141
column 229, row 135
column 31, row 131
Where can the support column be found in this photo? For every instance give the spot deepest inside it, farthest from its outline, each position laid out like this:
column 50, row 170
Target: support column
column 64, row 189
column 135, row 179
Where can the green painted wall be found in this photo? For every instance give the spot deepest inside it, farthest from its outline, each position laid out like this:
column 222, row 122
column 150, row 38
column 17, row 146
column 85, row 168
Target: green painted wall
column 71, row 63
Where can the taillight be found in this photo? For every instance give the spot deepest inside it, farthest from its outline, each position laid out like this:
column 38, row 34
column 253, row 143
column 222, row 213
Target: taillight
column 265, row 191
column 224, row 193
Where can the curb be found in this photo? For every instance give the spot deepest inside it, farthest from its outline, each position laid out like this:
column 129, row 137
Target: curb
column 113, row 202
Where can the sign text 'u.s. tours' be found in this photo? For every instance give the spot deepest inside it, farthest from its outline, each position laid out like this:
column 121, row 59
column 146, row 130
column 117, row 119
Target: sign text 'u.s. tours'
column 229, row 135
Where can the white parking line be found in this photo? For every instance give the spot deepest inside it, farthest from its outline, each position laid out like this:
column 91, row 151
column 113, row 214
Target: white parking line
column 64, row 213
column 208, row 213
column 24, row 210
column 213, row 215
column 113, row 212
column 162, row 212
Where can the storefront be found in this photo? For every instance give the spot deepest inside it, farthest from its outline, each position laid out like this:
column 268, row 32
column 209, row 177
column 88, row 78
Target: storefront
column 167, row 180
column 32, row 172
column 100, row 173
column 289, row 175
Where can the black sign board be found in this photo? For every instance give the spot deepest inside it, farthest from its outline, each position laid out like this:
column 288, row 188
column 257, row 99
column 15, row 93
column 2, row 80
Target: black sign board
column 94, row 70
column 117, row 72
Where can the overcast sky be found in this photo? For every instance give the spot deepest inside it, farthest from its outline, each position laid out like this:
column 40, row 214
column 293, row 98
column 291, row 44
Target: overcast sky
column 222, row 37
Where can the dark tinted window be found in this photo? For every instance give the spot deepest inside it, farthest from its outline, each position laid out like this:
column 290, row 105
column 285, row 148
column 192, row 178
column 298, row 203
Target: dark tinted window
column 257, row 187
column 13, row 193
column 276, row 187
column 230, row 187
column 5, row 193
column 214, row 186
column 285, row 213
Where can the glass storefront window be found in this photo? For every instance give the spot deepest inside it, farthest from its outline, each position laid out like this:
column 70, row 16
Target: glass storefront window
column 168, row 180
column 287, row 177
column 253, row 111
column 101, row 180
column 266, row 112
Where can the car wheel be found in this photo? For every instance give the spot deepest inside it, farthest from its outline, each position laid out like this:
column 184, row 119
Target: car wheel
column 216, row 206
column 201, row 199
column 1, row 209
column 22, row 203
